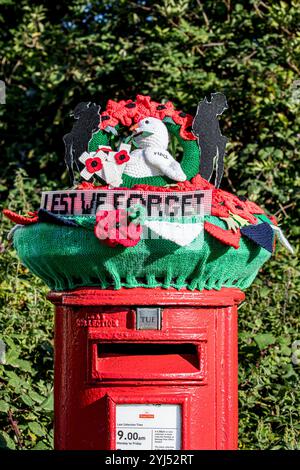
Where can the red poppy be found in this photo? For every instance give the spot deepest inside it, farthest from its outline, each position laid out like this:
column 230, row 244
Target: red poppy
column 200, row 183
column 107, row 120
column 122, row 157
column 146, row 108
column 179, row 117
column 123, row 111
column 185, row 121
column 131, row 109
column 104, row 149
column 128, row 112
column 85, row 185
column 233, row 204
column 113, row 228
column 253, row 208
column 219, row 210
column 93, row 164
column 164, row 110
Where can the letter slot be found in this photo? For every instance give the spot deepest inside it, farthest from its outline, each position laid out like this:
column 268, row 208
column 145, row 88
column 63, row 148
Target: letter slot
column 147, row 361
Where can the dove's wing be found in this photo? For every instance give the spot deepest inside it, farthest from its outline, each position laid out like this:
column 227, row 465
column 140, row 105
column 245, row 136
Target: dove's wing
column 165, row 163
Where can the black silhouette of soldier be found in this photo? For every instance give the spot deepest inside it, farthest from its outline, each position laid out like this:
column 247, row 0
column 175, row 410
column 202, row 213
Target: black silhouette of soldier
column 76, row 142
column 210, row 140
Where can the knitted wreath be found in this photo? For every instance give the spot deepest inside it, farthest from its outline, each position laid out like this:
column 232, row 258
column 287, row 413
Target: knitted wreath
column 124, row 114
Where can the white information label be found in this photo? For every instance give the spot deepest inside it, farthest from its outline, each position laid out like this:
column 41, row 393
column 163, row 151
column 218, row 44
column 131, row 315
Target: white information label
column 148, row 427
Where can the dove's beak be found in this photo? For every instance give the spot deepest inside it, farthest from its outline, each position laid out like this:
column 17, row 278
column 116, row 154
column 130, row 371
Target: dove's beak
column 134, row 127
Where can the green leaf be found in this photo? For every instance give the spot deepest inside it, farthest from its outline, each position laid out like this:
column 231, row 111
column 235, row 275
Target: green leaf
column 14, row 380
column 27, row 400
column 22, row 364
column 12, row 355
column 6, row 442
column 48, row 404
column 168, row 120
column 4, row 406
column 41, row 446
column 36, row 428
column 36, row 396
column 264, row 340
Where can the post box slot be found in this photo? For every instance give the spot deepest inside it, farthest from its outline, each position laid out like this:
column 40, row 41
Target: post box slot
column 154, row 360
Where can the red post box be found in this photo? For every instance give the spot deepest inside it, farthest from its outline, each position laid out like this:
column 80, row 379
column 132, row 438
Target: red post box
column 146, row 369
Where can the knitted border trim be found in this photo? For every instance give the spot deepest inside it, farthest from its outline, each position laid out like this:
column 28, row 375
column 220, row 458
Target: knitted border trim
column 32, row 217
column 104, row 283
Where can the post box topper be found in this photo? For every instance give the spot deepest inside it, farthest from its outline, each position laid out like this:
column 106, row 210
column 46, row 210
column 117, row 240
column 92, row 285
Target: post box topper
column 142, row 210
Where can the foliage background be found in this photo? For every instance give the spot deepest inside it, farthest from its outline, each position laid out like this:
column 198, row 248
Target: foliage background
column 55, row 55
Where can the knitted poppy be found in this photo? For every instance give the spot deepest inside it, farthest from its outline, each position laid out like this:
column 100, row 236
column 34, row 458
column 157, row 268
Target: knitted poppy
column 114, row 228
column 84, row 185
column 122, row 157
column 252, row 207
column 104, row 149
column 234, row 204
column 123, row 110
column 164, row 110
column 185, row 121
column 93, row 164
column 131, row 109
column 146, row 108
column 219, row 210
column 179, row 117
column 127, row 112
column 107, row 120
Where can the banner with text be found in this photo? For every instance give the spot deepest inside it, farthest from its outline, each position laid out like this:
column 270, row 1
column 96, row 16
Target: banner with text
column 156, row 203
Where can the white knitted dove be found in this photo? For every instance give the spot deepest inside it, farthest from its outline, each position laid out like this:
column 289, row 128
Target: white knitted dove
column 152, row 157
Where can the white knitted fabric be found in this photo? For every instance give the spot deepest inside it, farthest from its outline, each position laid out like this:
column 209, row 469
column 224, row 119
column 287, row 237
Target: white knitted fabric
column 181, row 234
column 158, row 137
column 283, row 240
column 138, row 167
column 111, row 172
column 152, row 157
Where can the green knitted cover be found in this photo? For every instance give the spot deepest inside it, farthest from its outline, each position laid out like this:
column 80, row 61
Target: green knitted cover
column 66, row 258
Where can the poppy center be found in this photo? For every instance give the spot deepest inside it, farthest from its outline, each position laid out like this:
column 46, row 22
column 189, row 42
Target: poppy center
column 93, row 165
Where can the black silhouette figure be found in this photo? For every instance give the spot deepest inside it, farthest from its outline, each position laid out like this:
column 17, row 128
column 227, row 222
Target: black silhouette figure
column 210, row 140
column 76, row 142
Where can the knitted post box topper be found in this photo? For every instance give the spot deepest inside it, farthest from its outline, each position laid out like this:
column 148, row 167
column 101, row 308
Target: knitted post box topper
column 77, row 240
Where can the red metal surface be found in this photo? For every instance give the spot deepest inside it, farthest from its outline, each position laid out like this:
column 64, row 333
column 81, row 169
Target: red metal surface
column 102, row 360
